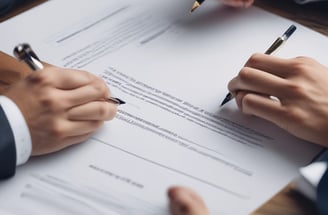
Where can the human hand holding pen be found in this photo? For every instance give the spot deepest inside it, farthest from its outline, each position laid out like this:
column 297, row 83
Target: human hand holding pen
column 273, row 48
column 301, row 108
column 61, row 107
column 300, row 90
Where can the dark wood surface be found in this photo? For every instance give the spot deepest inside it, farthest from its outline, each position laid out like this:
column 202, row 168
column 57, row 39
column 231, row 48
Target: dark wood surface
column 314, row 16
column 288, row 201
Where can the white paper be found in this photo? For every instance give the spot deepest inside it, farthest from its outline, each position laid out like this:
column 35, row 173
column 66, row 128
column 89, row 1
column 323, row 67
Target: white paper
column 172, row 71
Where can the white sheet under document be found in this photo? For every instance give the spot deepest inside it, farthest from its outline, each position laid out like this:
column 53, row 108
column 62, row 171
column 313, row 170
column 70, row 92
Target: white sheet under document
column 172, row 69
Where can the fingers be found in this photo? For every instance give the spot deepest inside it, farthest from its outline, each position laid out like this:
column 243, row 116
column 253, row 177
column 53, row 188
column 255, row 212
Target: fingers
column 61, row 107
column 65, row 79
column 98, row 110
column 54, row 137
column 238, row 3
column 75, row 128
column 91, row 92
column 253, row 80
column 262, row 106
column 184, row 201
column 270, row 64
column 266, row 75
column 41, row 149
column 73, row 87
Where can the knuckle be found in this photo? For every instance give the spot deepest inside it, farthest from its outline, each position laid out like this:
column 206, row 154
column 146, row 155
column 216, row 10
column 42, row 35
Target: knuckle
column 39, row 78
column 100, row 88
column 49, row 101
column 103, row 111
column 106, row 111
column 301, row 65
column 255, row 59
column 247, row 100
column 86, row 77
column 293, row 114
column 246, row 103
column 91, row 78
column 239, row 99
column 244, row 74
column 295, row 90
column 57, row 131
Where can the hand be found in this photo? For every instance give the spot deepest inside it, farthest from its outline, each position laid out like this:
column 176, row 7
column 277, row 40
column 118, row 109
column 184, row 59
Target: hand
column 62, row 107
column 11, row 71
column 238, row 3
column 299, row 88
column 184, row 201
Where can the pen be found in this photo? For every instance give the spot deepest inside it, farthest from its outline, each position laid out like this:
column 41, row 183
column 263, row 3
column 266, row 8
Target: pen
column 273, row 48
column 24, row 52
column 196, row 5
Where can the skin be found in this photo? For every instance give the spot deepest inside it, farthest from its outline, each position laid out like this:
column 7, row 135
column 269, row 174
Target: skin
column 238, row 3
column 11, row 71
column 291, row 93
column 184, row 201
column 300, row 86
column 61, row 107
column 300, row 106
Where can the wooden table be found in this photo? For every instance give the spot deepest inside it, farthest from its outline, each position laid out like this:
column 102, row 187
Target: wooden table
column 288, row 201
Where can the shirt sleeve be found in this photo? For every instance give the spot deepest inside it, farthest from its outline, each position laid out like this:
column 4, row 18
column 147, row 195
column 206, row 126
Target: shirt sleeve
column 19, row 128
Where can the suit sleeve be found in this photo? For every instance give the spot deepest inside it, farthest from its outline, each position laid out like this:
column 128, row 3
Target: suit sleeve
column 7, row 5
column 322, row 196
column 7, row 148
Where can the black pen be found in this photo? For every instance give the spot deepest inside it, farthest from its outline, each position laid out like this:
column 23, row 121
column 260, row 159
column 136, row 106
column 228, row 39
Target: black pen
column 24, row 52
column 196, row 5
column 273, row 48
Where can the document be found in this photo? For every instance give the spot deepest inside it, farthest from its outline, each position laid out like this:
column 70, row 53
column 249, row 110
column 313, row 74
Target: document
column 172, row 69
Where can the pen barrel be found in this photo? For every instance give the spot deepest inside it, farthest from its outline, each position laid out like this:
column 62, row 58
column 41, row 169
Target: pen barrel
column 275, row 46
column 24, row 52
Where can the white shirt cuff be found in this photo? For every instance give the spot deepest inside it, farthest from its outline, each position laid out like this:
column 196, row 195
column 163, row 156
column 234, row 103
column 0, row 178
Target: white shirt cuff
column 309, row 179
column 19, row 128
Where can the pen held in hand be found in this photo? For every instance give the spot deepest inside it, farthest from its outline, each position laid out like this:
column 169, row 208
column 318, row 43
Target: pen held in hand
column 273, row 48
column 196, row 5
column 24, row 52
column 116, row 100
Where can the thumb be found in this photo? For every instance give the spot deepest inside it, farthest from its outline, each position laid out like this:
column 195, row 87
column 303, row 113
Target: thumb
column 184, row 201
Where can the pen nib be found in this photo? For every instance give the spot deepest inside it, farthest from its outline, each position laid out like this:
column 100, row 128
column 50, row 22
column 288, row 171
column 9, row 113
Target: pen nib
column 116, row 101
column 120, row 101
column 195, row 6
column 226, row 99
